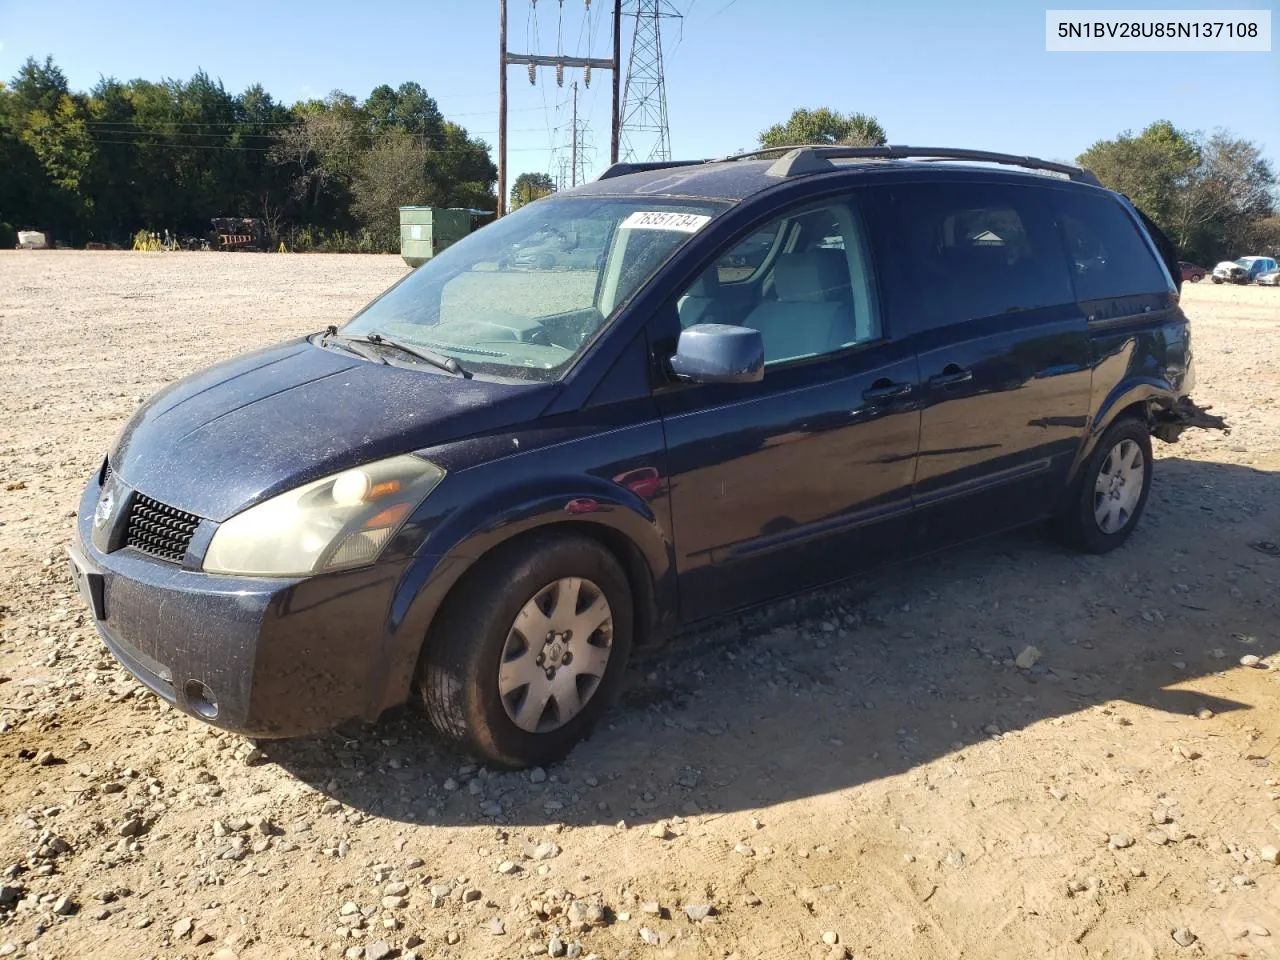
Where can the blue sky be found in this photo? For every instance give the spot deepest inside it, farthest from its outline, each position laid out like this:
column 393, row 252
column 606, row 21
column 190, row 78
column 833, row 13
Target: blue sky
column 935, row 72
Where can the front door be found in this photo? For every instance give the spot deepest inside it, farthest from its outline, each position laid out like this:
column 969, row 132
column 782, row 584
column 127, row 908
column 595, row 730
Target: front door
column 981, row 280
column 806, row 476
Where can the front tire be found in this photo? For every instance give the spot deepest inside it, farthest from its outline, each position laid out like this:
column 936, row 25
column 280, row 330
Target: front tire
column 1112, row 489
column 529, row 650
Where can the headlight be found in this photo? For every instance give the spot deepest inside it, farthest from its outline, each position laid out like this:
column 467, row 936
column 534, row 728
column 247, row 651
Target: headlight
column 339, row 522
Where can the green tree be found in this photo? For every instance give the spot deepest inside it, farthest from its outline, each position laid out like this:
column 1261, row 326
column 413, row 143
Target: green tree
column 1209, row 194
column 825, row 125
column 530, row 187
column 1152, row 168
column 460, row 171
column 407, row 107
column 171, row 154
column 39, row 86
column 392, row 174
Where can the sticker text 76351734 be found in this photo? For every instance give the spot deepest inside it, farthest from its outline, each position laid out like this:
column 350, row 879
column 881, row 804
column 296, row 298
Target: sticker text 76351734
column 660, row 220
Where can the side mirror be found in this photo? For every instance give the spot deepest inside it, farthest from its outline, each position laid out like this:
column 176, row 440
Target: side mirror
column 719, row 353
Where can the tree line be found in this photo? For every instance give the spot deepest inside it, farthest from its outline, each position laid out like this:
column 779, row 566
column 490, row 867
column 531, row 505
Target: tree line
column 324, row 174
column 330, row 173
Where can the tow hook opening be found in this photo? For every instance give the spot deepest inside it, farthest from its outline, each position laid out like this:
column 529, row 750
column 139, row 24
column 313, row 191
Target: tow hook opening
column 1167, row 423
column 201, row 699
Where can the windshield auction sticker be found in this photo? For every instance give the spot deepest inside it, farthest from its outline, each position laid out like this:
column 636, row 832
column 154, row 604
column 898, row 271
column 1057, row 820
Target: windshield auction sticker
column 1158, row 30
column 656, row 220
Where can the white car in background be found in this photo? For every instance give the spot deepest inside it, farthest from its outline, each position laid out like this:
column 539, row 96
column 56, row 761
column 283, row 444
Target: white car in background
column 1243, row 270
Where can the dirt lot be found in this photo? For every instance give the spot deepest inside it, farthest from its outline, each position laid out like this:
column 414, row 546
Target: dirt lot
column 865, row 773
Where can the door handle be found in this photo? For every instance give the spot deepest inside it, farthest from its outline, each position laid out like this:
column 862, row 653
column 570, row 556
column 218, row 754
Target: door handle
column 884, row 389
column 951, row 374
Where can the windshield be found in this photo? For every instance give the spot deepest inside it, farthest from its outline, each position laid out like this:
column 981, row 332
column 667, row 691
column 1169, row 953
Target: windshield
column 524, row 296
column 1244, row 262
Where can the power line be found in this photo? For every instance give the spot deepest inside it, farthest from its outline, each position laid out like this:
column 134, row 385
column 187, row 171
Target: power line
column 218, row 146
column 284, row 123
column 560, row 62
column 168, row 134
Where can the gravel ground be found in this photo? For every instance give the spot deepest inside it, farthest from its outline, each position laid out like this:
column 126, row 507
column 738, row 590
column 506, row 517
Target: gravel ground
column 872, row 771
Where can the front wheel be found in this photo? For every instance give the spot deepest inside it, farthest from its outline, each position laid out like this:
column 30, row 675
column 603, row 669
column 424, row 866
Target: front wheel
column 1112, row 489
column 1217, row 279
column 1196, row 277
column 530, row 649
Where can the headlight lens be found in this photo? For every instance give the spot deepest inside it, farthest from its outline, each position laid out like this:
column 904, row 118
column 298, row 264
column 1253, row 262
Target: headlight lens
column 336, row 523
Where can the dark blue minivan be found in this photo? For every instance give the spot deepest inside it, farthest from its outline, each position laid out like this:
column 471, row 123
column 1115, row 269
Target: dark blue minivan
column 716, row 384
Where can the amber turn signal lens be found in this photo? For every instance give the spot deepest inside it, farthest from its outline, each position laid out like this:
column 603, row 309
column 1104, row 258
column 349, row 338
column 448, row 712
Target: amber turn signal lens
column 387, row 518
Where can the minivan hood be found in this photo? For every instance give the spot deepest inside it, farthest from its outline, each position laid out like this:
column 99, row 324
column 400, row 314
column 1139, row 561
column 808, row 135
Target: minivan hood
column 265, row 422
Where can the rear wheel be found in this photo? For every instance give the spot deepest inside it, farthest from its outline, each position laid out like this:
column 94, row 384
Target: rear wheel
column 1196, row 277
column 1112, row 491
column 527, row 654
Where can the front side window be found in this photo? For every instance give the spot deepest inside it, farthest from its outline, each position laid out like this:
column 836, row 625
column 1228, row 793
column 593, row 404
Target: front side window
column 963, row 251
column 803, row 280
column 523, row 297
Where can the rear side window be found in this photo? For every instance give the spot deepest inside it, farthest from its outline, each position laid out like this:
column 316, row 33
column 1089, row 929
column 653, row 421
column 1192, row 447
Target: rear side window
column 961, row 251
column 1109, row 257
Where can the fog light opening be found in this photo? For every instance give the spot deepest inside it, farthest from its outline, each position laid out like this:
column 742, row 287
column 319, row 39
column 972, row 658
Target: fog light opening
column 200, row 699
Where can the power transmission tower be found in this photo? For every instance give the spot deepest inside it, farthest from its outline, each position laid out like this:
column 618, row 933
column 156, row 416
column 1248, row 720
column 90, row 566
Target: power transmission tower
column 580, row 145
column 507, row 58
column 644, row 110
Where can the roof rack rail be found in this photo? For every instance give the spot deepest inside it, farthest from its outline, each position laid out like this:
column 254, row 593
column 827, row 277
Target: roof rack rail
column 815, row 158
column 622, row 169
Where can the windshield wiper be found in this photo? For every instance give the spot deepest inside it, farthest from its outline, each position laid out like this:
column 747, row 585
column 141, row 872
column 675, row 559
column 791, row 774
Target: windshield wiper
column 438, row 360
column 331, row 333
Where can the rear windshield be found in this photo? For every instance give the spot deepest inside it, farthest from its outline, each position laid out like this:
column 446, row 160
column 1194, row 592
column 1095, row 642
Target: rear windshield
column 523, row 297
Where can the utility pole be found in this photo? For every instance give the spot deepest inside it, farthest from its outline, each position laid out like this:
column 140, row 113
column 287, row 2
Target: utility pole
column 502, row 111
column 645, row 102
column 506, row 59
column 615, row 136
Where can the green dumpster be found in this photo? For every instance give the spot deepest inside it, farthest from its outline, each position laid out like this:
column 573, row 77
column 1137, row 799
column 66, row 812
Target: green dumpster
column 425, row 231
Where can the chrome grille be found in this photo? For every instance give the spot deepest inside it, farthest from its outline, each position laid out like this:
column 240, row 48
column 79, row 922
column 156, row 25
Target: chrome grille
column 159, row 530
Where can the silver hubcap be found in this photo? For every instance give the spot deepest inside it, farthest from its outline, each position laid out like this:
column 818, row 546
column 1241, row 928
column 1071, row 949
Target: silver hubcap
column 1119, row 486
column 555, row 655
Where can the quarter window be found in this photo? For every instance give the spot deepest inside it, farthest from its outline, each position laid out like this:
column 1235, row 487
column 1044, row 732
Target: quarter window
column 1109, row 257
column 803, row 281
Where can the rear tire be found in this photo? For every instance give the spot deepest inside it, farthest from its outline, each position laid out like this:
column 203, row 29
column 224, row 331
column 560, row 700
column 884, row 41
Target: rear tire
column 1111, row 491
column 516, row 700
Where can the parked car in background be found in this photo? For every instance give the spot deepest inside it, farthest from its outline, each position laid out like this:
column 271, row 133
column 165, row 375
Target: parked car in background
column 1191, row 271
column 484, row 489
column 1243, row 270
column 1269, row 279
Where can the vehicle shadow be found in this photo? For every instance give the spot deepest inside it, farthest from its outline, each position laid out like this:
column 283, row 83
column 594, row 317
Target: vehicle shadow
column 873, row 678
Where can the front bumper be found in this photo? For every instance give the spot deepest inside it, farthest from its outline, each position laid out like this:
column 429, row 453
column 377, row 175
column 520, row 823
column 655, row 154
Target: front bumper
column 260, row 656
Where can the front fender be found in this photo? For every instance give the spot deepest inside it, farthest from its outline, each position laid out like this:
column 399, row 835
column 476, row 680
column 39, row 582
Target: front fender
column 621, row 510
